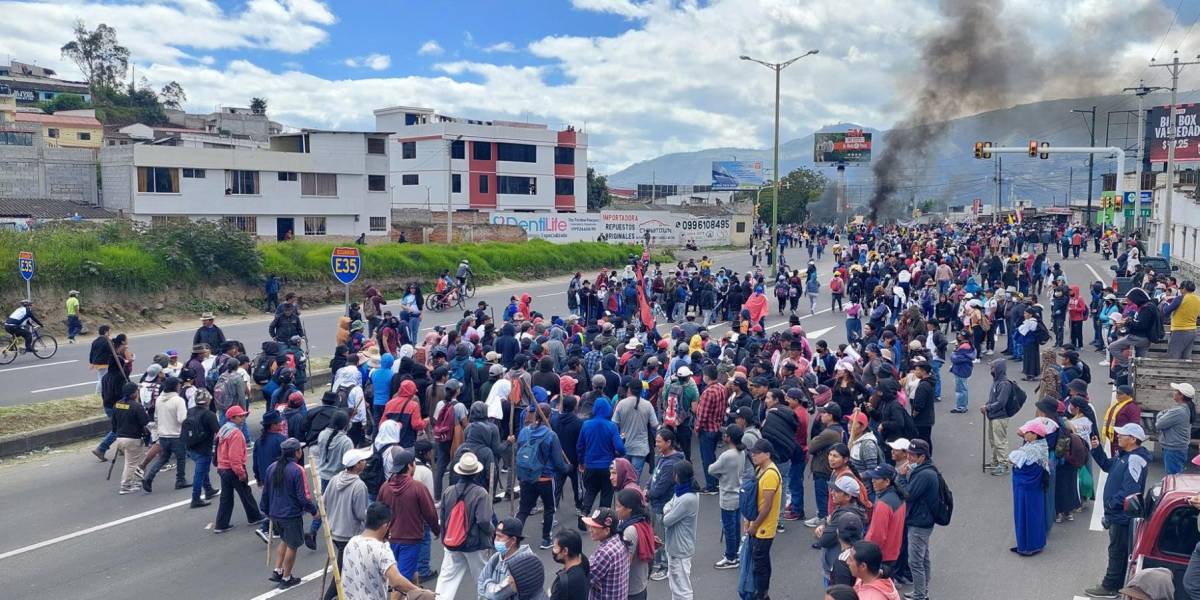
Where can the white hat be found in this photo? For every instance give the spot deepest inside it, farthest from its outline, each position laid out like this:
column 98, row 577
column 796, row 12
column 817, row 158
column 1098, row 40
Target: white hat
column 848, row 485
column 684, row 372
column 1132, row 430
column 899, row 444
column 633, row 344
column 468, row 464
column 1186, row 389
column 353, row 457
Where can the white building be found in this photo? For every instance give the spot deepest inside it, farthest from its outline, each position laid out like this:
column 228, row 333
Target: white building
column 488, row 165
column 308, row 183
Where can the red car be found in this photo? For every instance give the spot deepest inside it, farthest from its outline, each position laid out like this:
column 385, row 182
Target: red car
column 1165, row 528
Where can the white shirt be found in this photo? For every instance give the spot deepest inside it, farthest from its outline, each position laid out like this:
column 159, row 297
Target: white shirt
column 364, row 564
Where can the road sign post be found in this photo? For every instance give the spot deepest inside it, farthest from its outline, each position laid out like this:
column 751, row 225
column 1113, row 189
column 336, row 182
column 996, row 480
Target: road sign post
column 25, row 266
column 347, row 264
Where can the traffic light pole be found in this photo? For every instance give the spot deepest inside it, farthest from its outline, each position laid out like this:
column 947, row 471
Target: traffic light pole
column 1045, row 149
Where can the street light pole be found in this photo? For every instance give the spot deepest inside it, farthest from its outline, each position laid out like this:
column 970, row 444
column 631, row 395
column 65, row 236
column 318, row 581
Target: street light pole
column 778, row 68
column 1140, row 91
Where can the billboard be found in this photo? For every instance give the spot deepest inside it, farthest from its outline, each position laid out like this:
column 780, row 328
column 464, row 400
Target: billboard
column 854, row 146
column 553, row 227
column 620, row 227
column 737, row 175
column 1187, row 133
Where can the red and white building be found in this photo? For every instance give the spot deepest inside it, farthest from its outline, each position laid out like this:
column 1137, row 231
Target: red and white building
column 436, row 162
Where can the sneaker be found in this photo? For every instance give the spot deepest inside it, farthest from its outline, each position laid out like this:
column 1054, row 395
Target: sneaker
column 813, row 522
column 179, row 485
column 222, row 529
column 545, row 544
column 258, row 521
column 262, row 535
column 276, row 576
column 725, row 563
column 779, row 528
column 146, row 486
column 99, row 455
column 958, row 411
column 310, row 541
column 168, row 466
column 289, row 582
column 1070, row 516
column 210, row 494
column 661, row 575
column 198, row 503
column 1100, row 592
column 791, row 516
column 1058, row 518
column 126, row 490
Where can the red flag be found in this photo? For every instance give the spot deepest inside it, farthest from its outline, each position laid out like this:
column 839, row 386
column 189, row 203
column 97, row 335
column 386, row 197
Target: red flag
column 643, row 305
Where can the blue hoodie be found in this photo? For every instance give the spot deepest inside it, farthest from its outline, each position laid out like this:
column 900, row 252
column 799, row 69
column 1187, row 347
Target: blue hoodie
column 550, row 449
column 381, row 380
column 599, row 439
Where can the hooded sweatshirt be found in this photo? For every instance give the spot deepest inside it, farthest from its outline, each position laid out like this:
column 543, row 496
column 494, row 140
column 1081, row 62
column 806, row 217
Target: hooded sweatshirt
column 599, row 439
column 346, row 505
column 1002, row 388
column 408, row 406
column 381, row 380
column 493, row 580
column 329, row 453
column 880, row 589
column 412, row 509
column 481, row 436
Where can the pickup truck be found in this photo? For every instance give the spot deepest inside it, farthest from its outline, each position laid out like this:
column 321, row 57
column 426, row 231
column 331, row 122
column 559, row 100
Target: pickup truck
column 1164, row 528
column 1151, row 377
column 1122, row 284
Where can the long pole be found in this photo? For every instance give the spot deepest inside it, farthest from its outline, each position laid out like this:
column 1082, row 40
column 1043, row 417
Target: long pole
column 1141, row 155
column 1091, row 171
column 449, row 192
column 999, row 185
column 1070, row 185
column 775, row 200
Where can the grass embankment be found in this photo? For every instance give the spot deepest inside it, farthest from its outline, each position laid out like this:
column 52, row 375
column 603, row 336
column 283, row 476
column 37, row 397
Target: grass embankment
column 31, row 417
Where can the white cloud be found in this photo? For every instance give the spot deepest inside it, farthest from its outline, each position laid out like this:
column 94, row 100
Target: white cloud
column 430, row 48
column 375, row 62
column 625, row 8
column 501, row 47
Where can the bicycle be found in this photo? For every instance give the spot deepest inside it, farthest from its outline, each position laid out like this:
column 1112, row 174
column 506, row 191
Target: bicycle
column 44, row 346
column 440, row 303
column 468, row 286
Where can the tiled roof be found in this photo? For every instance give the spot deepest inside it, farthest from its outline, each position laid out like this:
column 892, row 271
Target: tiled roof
column 25, row 117
column 50, row 209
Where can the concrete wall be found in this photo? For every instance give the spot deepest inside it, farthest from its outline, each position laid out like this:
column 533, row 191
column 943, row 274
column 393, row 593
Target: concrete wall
column 39, row 171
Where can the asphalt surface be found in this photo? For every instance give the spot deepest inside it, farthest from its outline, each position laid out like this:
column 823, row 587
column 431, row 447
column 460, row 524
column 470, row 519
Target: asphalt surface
column 68, row 533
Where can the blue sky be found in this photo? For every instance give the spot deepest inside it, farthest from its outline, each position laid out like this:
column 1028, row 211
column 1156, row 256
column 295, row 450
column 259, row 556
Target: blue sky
column 641, row 77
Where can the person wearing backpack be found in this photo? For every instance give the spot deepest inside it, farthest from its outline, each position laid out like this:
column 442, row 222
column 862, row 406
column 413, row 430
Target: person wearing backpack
column 449, row 421
column 199, row 431
column 466, row 516
column 539, row 459
column 924, row 502
column 677, row 402
column 761, row 499
column 1005, row 399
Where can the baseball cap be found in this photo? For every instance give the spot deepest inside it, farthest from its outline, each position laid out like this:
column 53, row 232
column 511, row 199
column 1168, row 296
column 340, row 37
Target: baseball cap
column 1125, row 389
column 1132, row 430
column 291, row 445
column 760, row 381
column 355, row 456
column 686, row 372
column 883, row 471
column 496, row 370
column 1186, row 389
column 834, row 410
column 919, row 447
column 512, row 527
column 746, row 413
column 235, row 411
column 846, row 484
column 401, row 458
column 602, row 518
column 849, row 525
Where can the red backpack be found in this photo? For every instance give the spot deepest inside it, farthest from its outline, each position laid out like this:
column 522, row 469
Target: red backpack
column 456, row 526
column 443, row 428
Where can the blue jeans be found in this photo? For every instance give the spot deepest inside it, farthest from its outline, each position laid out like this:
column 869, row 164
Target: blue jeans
column 423, row 559
column 731, row 532
column 796, row 482
column 74, row 326
column 960, row 392
column 1174, row 460
column 937, row 376
column 708, row 455
column 109, row 437
column 853, row 329
column 639, row 463
column 407, row 557
column 821, row 493
column 200, row 465
column 414, row 328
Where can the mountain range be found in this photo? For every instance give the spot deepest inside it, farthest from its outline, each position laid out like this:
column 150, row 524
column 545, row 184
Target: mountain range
column 950, row 174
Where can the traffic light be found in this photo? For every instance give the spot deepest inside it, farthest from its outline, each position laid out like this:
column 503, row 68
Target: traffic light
column 978, row 149
column 987, row 149
column 1117, row 201
column 1104, row 202
column 1045, row 151
column 1033, row 148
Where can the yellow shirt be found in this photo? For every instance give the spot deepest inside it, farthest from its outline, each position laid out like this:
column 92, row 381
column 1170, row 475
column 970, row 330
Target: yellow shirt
column 72, row 306
column 1184, row 317
column 769, row 479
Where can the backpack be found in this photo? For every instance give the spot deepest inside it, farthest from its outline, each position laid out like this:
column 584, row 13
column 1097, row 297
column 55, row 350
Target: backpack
column 672, row 417
column 373, row 474
column 455, row 534
column 443, row 428
column 1016, row 400
column 1043, row 334
column 943, row 510
column 1155, row 332
column 211, row 377
column 1077, row 451
column 530, row 465
column 221, row 392
column 458, row 369
column 263, row 364
column 748, row 498
column 343, row 394
column 985, row 322
column 187, row 428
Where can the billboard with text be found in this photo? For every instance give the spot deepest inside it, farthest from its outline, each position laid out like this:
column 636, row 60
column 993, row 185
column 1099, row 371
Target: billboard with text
column 737, row 175
column 853, row 146
column 1187, row 133
column 620, row 227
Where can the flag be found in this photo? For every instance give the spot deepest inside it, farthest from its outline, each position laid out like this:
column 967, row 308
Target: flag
column 1019, row 216
column 1010, row 219
column 643, row 305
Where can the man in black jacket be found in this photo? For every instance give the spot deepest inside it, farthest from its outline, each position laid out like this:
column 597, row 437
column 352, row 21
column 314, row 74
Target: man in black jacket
column 922, row 402
column 200, row 427
column 129, row 420
column 1137, row 330
column 209, row 333
column 779, row 427
column 320, row 417
column 567, row 427
column 286, row 324
column 922, row 499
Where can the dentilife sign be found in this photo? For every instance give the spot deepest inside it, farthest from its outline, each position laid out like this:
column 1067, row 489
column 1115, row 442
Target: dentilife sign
column 562, row 227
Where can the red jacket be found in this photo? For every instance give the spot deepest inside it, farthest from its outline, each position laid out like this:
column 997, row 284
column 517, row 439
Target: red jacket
column 412, row 509
column 231, row 450
column 406, row 402
column 887, row 524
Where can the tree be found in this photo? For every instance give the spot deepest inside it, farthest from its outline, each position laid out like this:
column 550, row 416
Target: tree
column 796, row 190
column 172, row 95
column 258, row 106
column 99, row 57
column 64, row 102
column 597, row 192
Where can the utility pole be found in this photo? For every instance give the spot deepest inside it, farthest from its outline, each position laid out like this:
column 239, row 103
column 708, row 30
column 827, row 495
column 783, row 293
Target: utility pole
column 1140, row 91
column 1070, row 185
column 1091, row 163
column 1164, row 233
column 999, row 185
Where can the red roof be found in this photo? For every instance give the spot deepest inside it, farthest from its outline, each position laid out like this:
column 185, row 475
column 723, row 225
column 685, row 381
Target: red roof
column 24, row 117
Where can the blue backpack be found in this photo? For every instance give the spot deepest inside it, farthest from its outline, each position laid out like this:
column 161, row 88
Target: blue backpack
column 748, row 499
column 457, row 368
column 530, row 465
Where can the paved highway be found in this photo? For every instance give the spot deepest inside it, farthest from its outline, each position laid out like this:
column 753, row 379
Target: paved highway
column 68, row 533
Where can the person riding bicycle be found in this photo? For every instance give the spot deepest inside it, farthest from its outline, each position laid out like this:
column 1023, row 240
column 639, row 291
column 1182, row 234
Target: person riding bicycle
column 18, row 322
column 447, row 288
column 463, row 272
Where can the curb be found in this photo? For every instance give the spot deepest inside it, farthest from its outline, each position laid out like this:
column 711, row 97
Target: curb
column 66, row 433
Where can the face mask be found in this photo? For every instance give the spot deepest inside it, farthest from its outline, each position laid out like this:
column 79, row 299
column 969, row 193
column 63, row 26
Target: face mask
column 500, row 546
column 558, row 559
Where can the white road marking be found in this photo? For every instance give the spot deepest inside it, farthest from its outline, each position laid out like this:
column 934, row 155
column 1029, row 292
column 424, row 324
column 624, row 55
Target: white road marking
column 563, row 293
column 61, row 362
column 812, row 335
column 277, row 591
column 1094, row 273
column 1101, row 477
column 63, row 387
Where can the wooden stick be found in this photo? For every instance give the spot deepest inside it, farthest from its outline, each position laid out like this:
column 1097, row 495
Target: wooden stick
column 330, row 549
column 270, row 536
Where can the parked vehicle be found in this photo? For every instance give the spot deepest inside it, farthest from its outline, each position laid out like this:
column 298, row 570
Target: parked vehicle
column 1164, row 528
column 1121, row 284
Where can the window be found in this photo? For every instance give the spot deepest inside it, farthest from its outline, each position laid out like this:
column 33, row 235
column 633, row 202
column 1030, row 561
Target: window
column 456, row 183
column 516, row 152
column 516, row 185
column 318, row 184
column 458, row 149
column 83, row 135
column 564, row 155
column 193, row 173
column 52, row 132
column 243, row 224
column 741, row 227
column 483, row 184
column 1179, row 535
column 164, row 220
column 378, row 223
column 288, row 176
column 564, row 187
column 376, row 146
column 481, row 150
column 408, row 149
column 241, row 183
column 314, row 225
column 410, row 180
column 376, row 183
column 158, row 180
column 15, row 138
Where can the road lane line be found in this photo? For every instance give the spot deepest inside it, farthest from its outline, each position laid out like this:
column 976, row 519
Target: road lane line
column 1101, row 477
column 1094, row 273
column 61, row 362
column 62, row 387
column 303, row 580
column 93, row 529
column 818, row 333
column 549, row 295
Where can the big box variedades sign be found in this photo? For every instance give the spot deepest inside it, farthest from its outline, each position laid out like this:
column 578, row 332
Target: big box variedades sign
column 620, row 227
column 1187, row 133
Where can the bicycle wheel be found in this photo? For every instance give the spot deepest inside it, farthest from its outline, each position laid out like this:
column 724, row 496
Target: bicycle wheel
column 436, row 304
column 44, row 346
column 469, row 289
column 8, row 350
